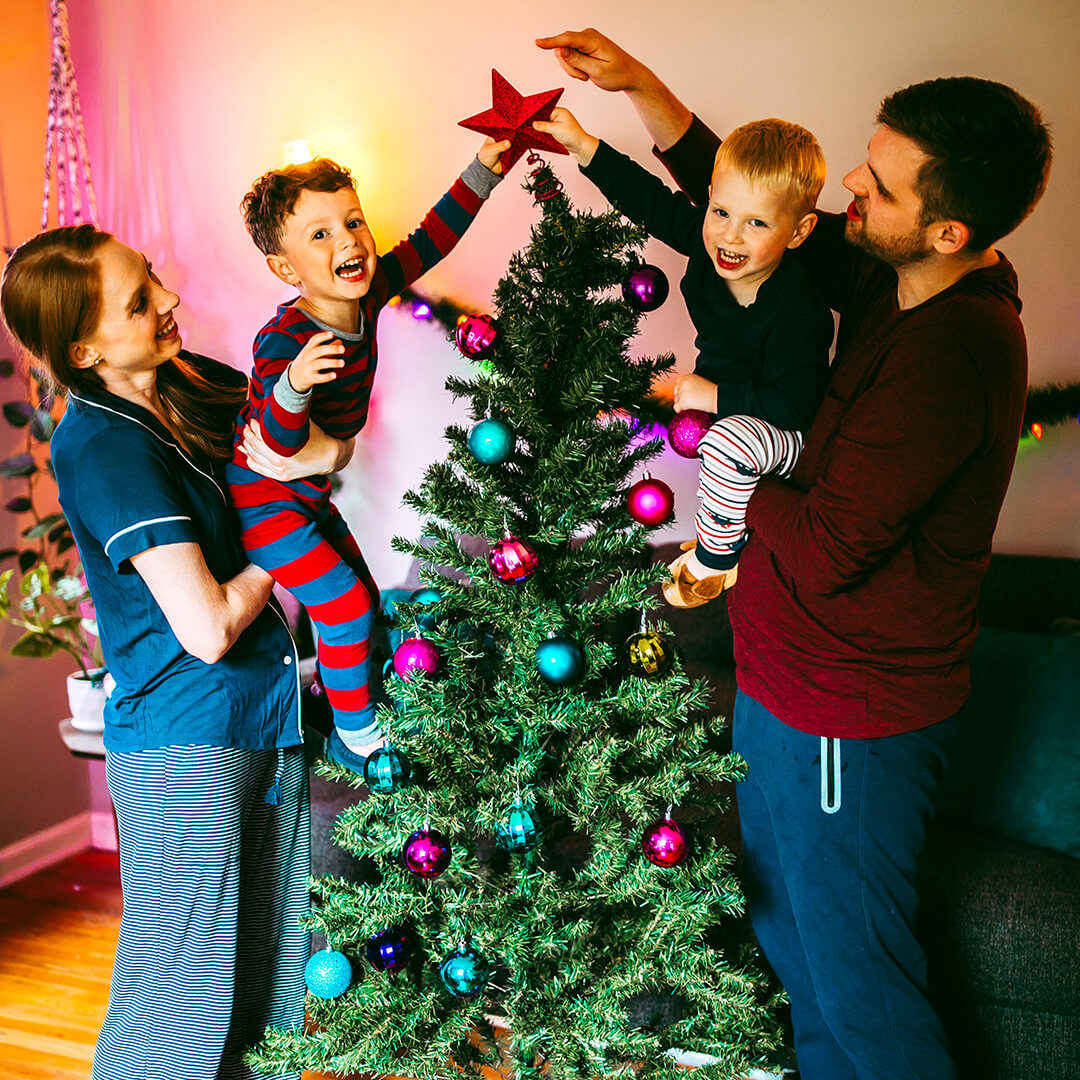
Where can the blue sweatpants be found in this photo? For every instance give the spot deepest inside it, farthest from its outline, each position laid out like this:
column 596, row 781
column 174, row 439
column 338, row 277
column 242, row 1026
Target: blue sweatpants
column 832, row 830
column 214, row 881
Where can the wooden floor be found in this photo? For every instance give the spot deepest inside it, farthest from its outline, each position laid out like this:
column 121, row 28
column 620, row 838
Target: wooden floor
column 58, row 933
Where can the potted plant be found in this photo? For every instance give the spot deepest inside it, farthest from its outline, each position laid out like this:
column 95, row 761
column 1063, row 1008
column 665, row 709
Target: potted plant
column 53, row 606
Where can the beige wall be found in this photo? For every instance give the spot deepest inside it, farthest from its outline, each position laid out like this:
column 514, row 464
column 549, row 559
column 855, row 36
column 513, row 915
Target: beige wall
column 188, row 100
column 40, row 782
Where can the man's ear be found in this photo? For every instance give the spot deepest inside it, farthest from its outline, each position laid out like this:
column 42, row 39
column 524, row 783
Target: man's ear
column 83, row 356
column 281, row 267
column 949, row 237
column 803, row 229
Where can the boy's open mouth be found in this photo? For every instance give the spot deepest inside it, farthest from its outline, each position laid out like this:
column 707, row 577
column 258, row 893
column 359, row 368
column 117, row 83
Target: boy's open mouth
column 353, row 270
column 729, row 260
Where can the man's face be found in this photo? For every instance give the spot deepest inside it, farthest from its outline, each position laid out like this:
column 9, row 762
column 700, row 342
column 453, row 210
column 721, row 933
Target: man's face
column 884, row 217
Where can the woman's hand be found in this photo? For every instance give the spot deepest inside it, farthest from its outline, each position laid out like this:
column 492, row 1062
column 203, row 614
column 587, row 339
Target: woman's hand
column 564, row 127
column 320, row 455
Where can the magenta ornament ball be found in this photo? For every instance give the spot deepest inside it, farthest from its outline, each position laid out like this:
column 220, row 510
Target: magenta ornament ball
column 645, row 288
column 664, row 843
column 512, row 560
column 687, row 429
column 650, row 502
column 416, row 656
column 427, row 853
column 476, row 335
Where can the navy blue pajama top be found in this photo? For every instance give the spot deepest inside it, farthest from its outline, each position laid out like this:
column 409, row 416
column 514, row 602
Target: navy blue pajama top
column 126, row 486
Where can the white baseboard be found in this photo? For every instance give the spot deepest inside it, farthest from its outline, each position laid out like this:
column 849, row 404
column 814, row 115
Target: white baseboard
column 103, row 831
column 33, row 853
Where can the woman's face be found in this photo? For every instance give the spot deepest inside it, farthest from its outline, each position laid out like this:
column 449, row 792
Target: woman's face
column 136, row 332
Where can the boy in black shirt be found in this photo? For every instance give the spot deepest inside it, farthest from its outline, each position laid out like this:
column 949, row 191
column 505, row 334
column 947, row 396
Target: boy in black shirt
column 763, row 329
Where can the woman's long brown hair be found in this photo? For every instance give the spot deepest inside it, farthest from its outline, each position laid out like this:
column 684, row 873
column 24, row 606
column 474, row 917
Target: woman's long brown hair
column 50, row 296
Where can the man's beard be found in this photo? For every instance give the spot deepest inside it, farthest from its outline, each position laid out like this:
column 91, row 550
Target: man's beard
column 896, row 251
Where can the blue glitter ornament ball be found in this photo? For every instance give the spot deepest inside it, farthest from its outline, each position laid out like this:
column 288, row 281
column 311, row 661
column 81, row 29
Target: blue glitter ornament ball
column 519, row 831
column 328, row 974
column 491, row 441
column 465, row 972
column 386, row 770
column 426, row 595
column 560, row 661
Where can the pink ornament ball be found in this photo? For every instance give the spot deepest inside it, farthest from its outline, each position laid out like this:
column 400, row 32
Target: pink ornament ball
column 512, row 561
column 427, row 853
column 475, row 336
column 664, row 843
column 650, row 502
column 416, row 656
column 687, row 429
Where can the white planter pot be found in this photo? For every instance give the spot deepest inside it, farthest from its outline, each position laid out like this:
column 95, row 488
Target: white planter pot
column 87, row 702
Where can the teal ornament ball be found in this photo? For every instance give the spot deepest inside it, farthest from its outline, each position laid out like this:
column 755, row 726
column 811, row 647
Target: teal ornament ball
column 386, row 770
column 465, row 972
column 560, row 661
column 520, row 830
column 426, row 595
column 491, row 441
column 328, row 974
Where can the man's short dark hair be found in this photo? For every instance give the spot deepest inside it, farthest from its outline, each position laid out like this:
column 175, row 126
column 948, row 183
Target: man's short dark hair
column 988, row 148
column 273, row 196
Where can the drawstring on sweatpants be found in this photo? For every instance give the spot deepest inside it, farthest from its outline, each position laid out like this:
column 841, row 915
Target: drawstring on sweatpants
column 273, row 793
column 830, row 775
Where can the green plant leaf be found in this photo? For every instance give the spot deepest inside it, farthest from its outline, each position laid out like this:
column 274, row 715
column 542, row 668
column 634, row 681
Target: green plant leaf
column 64, row 543
column 7, row 367
column 42, row 425
column 58, row 531
column 32, row 644
column 26, row 560
column 36, row 532
column 19, row 465
column 19, row 505
column 7, row 553
column 18, row 413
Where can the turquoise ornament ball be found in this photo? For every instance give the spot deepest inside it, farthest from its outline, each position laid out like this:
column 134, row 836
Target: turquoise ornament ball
column 465, row 972
column 386, row 770
column 559, row 660
column 491, row 441
column 519, row 832
column 426, row 595
column 328, row 974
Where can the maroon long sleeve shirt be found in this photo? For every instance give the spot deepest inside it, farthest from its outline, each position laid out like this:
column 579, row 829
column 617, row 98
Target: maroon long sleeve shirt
column 854, row 613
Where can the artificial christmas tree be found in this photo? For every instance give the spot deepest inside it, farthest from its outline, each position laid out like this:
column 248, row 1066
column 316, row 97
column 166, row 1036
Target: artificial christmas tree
column 550, row 754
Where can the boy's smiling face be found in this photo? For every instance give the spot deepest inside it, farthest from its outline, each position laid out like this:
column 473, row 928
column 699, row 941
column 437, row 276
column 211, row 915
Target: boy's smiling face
column 327, row 251
column 747, row 229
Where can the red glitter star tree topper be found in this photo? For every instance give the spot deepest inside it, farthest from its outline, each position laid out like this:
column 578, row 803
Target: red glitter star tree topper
column 511, row 116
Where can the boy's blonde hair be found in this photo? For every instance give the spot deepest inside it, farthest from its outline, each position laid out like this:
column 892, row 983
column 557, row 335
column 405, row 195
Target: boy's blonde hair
column 780, row 155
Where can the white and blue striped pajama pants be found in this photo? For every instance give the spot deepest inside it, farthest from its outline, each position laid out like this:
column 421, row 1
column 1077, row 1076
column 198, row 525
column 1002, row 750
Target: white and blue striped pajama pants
column 215, row 881
column 734, row 454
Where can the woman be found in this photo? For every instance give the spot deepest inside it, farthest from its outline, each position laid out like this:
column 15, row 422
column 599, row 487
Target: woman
column 204, row 754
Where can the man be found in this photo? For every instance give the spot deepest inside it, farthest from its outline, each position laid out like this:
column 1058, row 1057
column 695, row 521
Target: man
column 854, row 613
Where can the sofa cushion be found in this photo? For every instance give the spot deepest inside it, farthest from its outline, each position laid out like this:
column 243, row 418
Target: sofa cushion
column 1015, row 769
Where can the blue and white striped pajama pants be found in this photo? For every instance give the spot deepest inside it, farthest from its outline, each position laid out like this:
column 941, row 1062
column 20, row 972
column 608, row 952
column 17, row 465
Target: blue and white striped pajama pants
column 734, row 454
column 215, row 881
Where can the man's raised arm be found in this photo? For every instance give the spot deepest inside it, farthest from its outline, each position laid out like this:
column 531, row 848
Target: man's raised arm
column 589, row 55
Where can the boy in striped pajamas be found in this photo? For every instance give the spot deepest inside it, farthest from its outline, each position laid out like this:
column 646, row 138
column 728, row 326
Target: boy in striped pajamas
column 315, row 363
column 763, row 330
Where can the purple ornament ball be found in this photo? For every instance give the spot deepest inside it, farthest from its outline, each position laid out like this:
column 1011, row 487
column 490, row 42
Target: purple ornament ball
column 650, row 502
column 664, row 843
column 427, row 853
column 475, row 336
column 687, row 429
column 512, row 560
column 416, row 656
column 646, row 288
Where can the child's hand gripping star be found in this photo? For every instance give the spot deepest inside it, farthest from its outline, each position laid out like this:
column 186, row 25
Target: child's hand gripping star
column 490, row 153
column 565, row 129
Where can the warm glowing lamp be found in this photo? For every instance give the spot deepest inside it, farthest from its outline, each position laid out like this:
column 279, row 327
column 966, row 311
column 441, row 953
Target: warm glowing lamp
column 296, row 152
column 1037, row 430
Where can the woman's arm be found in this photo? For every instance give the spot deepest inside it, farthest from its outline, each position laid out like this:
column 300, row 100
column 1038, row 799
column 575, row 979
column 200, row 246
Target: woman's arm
column 321, row 455
column 206, row 616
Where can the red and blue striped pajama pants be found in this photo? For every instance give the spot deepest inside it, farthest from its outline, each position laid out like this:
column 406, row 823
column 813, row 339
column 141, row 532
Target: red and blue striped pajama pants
column 734, row 454
column 307, row 548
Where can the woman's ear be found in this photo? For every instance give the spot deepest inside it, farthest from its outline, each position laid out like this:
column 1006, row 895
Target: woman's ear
column 83, row 356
